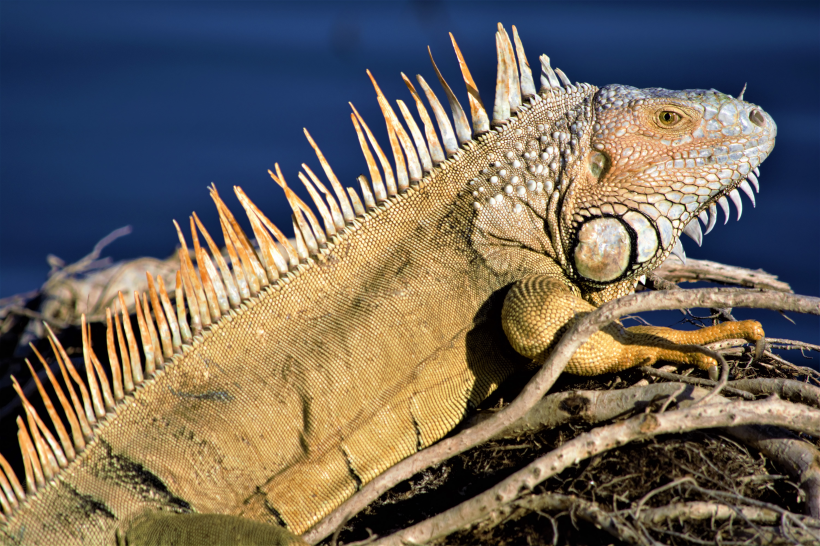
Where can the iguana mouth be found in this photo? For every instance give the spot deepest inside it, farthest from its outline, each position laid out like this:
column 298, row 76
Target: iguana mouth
column 709, row 215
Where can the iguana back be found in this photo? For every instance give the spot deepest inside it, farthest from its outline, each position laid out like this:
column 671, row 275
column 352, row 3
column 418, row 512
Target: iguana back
column 305, row 372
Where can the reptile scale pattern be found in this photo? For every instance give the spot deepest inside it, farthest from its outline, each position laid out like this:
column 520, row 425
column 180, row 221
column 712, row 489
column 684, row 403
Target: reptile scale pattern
column 272, row 388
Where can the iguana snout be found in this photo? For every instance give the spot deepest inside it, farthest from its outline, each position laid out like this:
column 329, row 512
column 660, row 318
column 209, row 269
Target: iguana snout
column 657, row 160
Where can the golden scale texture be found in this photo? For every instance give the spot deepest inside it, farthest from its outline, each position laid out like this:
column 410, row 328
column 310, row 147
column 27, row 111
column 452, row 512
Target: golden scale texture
column 317, row 385
column 539, row 309
column 162, row 529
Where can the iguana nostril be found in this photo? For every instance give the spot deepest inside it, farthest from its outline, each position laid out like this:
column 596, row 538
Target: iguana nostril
column 756, row 117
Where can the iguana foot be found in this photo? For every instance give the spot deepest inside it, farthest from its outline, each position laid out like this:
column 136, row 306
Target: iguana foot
column 166, row 529
column 540, row 308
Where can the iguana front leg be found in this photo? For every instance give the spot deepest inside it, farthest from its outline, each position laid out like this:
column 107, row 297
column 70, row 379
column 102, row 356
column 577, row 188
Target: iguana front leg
column 539, row 309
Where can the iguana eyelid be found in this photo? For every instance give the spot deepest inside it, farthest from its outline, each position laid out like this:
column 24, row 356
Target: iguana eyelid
column 686, row 118
column 674, row 117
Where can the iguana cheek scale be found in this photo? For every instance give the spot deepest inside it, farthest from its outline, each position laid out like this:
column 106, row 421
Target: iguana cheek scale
column 275, row 385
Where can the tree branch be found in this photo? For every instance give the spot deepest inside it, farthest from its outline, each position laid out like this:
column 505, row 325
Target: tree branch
column 799, row 458
column 703, row 270
column 771, row 411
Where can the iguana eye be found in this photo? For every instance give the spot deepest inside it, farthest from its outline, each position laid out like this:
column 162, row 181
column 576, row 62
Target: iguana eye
column 668, row 118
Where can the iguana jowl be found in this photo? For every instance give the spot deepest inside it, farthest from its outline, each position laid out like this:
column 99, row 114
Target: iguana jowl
column 274, row 387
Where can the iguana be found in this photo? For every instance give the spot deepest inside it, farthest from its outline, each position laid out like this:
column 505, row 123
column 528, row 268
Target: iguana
column 272, row 388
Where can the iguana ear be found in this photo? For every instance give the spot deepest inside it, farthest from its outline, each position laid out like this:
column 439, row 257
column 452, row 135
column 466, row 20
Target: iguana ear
column 164, row 529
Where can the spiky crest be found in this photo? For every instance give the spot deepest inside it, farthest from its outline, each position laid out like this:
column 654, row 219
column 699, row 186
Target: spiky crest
column 203, row 295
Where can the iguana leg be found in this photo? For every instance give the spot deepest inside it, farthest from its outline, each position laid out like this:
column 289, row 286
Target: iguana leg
column 166, row 529
column 539, row 309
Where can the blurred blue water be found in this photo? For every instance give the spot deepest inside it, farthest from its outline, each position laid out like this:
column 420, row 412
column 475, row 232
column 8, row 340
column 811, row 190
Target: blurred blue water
column 115, row 113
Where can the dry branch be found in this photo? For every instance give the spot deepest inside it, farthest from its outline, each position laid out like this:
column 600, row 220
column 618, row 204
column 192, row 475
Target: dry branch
column 673, row 270
column 551, row 367
column 799, row 458
column 622, row 524
column 770, row 411
column 787, row 389
column 707, row 510
column 593, row 406
column 792, row 344
column 778, row 530
column 580, row 508
column 695, row 381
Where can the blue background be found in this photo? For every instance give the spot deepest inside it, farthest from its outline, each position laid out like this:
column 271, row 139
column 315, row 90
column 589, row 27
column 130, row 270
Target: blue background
column 115, row 113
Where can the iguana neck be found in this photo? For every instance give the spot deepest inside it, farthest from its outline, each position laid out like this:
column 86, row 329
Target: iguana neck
column 526, row 178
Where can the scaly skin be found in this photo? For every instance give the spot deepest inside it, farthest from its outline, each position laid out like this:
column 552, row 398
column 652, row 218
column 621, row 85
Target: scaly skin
column 380, row 343
column 669, row 171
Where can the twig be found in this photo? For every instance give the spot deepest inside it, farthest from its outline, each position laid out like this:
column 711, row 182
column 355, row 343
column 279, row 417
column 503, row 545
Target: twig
column 786, row 363
column 672, row 397
column 785, row 515
column 654, row 282
column 792, row 344
column 23, row 312
column 60, row 270
column 704, row 270
column 707, row 510
column 586, row 510
column 16, row 300
column 661, row 489
column 724, row 376
column 695, row 381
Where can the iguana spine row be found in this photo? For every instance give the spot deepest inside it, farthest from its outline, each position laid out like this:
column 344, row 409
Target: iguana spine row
column 214, row 291
column 305, row 370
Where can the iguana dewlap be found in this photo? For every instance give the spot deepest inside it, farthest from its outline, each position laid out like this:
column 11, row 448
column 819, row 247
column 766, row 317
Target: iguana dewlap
column 275, row 386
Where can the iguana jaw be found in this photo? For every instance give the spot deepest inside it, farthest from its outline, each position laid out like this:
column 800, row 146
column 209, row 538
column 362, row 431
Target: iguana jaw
column 658, row 159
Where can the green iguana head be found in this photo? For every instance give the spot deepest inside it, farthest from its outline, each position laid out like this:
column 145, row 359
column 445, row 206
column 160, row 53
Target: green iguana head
column 656, row 161
column 605, row 180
